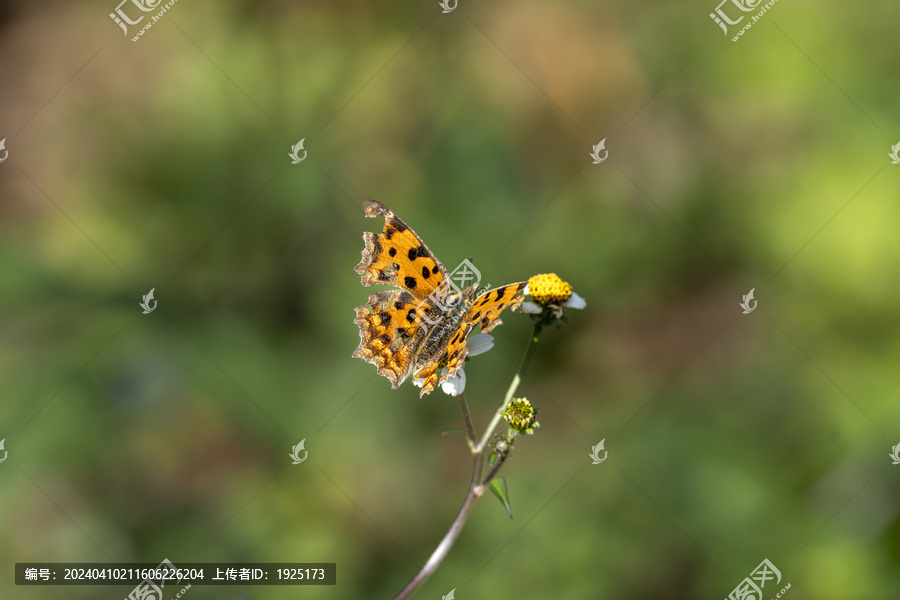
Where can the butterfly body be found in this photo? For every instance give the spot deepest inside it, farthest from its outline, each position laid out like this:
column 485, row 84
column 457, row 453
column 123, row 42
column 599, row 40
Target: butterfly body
column 421, row 328
column 440, row 334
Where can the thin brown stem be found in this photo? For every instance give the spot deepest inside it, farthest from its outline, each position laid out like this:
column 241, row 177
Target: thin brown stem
column 467, row 417
column 490, row 475
column 444, row 547
column 477, row 483
column 513, row 386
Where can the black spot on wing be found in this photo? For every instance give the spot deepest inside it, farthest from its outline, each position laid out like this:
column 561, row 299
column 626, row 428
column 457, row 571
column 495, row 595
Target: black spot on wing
column 425, row 273
column 411, row 315
column 419, row 252
column 399, row 305
column 410, row 282
column 435, row 269
column 392, row 252
column 385, row 318
column 501, row 292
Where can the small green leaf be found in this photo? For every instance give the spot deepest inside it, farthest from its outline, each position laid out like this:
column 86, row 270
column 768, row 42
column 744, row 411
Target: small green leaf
column 451, row 431
column 492, row 458
column 498, row 486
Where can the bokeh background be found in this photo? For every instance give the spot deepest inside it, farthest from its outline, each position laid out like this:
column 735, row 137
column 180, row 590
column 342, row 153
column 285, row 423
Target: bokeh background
column 732, row 438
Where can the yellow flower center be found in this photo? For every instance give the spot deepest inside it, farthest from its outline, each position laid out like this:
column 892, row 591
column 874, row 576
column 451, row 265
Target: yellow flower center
column 548, row 289
column 519, row 414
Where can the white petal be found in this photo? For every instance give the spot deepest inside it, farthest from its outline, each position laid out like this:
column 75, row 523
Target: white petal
column 525, row 291
column 531, row 308
column 575, row 301
column 419, row 382
column 480, row 343
column 455, row 384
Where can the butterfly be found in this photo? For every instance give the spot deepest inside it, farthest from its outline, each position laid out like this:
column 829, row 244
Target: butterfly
column 420, row 328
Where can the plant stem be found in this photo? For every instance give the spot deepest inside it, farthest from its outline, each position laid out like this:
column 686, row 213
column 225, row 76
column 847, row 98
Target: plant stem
column 450, row 537
column 529, row 352
column 477, row 485
column 467, row 417
column 487, row 478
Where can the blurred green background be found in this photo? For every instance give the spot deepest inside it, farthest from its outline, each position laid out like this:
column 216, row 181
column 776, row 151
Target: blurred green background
column 732, row 438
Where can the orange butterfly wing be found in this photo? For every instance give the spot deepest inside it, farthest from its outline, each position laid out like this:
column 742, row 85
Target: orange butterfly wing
column 484, row 311
column 389, row 333
column 397, row 256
